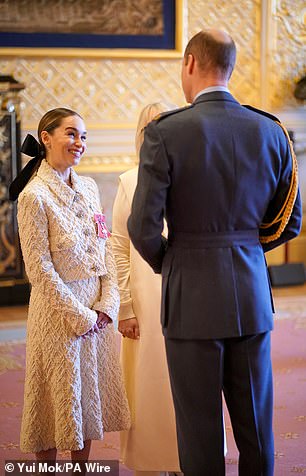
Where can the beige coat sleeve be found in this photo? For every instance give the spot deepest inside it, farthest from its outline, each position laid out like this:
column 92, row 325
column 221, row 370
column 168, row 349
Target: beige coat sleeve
column 110, row 299
column 121, row 247
column 33, row 231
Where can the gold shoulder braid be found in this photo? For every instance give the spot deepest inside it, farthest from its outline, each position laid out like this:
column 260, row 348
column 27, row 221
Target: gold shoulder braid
column 285, row 212
column 278, row 224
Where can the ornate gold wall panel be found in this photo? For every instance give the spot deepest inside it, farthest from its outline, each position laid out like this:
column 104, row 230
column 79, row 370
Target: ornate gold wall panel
column 103, row 91
column 288, row 51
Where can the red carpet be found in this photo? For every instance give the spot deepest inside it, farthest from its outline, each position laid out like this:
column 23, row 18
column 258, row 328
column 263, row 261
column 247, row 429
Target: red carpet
column 289, row 361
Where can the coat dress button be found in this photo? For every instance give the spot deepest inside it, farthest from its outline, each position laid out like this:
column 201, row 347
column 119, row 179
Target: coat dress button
column 76, row 197
column 95, row 268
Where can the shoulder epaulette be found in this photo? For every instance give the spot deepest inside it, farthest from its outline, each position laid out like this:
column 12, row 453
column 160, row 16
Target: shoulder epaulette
column 272, row 230
column 263, row 113
column 162, row 115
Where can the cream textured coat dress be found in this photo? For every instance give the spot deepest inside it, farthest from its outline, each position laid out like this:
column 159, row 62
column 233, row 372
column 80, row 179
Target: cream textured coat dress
column 150, row 444
column 73, row 387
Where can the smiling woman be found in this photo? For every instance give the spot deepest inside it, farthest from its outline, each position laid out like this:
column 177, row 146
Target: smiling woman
column 72, row 369
column 65, row 145
column 48, row 126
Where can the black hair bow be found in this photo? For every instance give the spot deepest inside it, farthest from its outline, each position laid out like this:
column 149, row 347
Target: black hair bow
column 32, row 148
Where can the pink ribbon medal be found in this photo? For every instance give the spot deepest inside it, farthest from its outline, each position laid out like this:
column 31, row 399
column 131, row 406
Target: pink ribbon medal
column 102, row 230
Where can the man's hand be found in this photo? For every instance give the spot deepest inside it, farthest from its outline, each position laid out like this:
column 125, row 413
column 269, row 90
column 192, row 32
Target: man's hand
column 129, row 328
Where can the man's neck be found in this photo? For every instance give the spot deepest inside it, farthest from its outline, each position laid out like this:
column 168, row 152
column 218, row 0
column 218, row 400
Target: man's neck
column 210, row 89
column 207, row 83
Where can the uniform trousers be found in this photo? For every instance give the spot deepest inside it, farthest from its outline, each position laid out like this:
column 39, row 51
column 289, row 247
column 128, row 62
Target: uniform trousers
column 199, row 371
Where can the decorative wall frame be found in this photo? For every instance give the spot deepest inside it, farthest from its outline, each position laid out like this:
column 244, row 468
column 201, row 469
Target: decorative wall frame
column 168, row 43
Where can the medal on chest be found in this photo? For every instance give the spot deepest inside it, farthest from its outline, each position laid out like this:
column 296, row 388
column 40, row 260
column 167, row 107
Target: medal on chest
column 101, row 228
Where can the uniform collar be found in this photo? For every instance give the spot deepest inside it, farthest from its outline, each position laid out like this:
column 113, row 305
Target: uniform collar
column 65, row 193
column 211, row 89
column 215, row 96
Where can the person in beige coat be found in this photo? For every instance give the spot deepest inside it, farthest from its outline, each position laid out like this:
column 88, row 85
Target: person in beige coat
column 149, row 447
column 73, row 387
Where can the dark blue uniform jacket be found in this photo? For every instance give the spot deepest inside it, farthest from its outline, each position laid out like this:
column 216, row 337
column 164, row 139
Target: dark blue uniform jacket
column 215, row 171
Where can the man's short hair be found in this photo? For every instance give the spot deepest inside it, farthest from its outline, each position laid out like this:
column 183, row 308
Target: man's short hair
column 211, row 53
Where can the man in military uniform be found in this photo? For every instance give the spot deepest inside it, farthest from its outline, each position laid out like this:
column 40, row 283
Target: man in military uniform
column 224, row 177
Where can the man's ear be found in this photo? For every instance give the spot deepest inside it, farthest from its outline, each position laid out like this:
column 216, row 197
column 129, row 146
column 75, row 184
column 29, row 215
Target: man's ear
column 190, row 63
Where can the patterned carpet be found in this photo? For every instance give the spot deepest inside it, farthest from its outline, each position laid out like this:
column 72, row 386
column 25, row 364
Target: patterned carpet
column 289, row 363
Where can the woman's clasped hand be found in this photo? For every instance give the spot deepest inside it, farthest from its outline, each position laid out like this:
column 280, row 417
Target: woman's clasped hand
column 102, row 321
